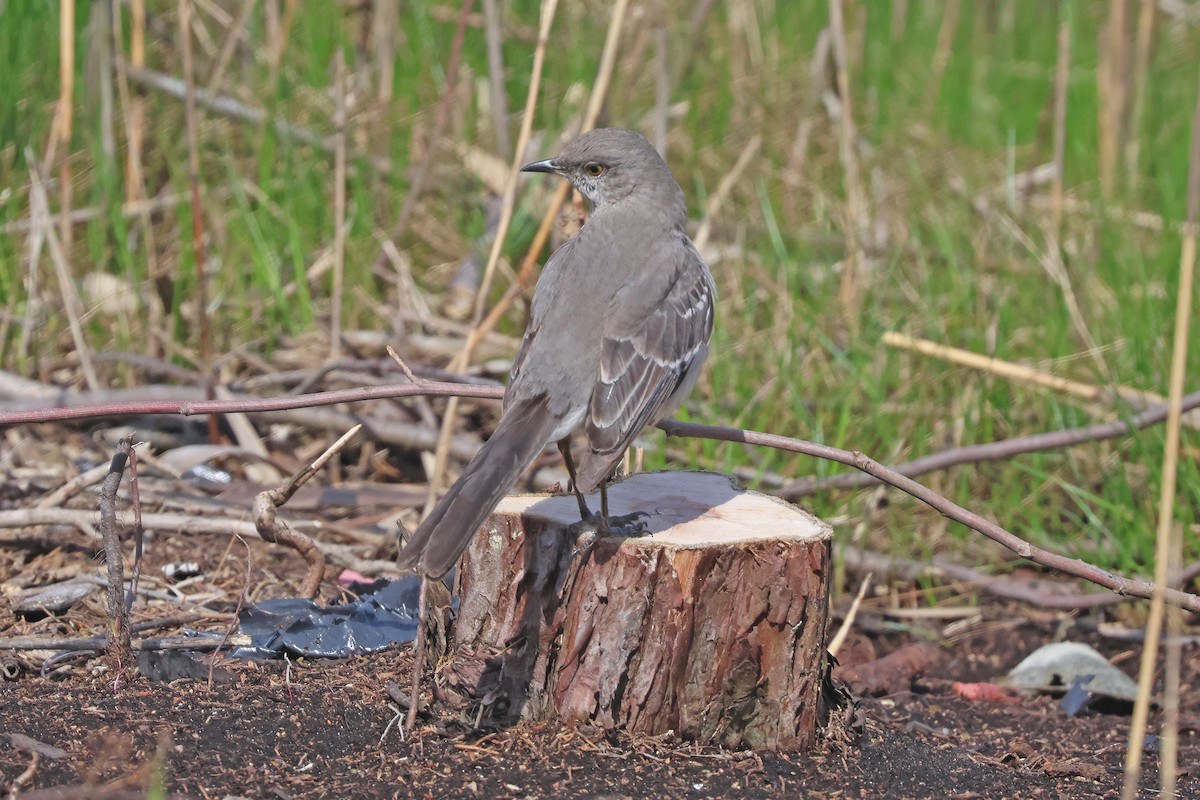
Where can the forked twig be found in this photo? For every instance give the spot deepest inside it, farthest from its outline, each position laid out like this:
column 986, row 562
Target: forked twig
column 271, row 529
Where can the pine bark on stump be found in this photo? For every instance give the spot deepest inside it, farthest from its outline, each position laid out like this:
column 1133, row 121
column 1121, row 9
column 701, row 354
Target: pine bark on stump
column 712, row 626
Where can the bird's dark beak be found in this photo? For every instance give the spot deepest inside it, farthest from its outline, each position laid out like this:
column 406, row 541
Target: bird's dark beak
column 548, row 165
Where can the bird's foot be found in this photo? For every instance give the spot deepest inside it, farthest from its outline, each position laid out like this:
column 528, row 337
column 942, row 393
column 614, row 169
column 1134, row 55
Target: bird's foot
column 628, row 525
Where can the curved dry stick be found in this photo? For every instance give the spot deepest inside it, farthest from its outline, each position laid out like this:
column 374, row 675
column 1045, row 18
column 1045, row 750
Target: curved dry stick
column 188, row 408
column 991, row 451
column 272, row 529
column 118, row 637
column 948, row 508
column 951, row 510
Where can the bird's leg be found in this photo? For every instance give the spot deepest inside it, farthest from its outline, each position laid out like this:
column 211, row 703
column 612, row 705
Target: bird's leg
column 564, row 447
column 624, row 525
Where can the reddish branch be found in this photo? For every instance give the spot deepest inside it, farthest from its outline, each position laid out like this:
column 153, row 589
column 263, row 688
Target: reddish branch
column 859, row 461
column 948, row 508
column 992, row 451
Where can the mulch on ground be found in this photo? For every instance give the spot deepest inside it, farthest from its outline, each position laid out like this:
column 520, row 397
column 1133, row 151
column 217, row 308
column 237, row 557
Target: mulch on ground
column 327, row 729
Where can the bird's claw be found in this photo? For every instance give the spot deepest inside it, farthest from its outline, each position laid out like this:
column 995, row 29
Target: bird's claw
column 628, row 525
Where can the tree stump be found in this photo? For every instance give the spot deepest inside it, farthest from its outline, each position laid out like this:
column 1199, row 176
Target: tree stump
column 712, row 626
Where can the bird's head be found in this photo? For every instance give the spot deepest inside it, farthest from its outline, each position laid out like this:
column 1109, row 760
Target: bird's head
column 610, row 164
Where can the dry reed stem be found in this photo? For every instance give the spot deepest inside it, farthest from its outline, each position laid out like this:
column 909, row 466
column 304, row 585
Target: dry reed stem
column 725, row 185
column 1168, row 544
column 339, row 205
column 1111, row 89
column 100, row 28
column 279, row 46
column 498, row 97
column 855, row 207
column 899, row 20
column 1022, row 374
column 232, row 36
column 839, row 638
column 941, row 54
column 133, row 114
column 507, row 201
column 384, row 36
column 1002, row 449
column 662, row 80
column 65, row 117
column 1141, row 71
column 40, row 210
column 1062, row 74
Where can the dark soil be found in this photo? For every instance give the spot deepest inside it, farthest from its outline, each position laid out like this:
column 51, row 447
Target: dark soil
column 326, row 730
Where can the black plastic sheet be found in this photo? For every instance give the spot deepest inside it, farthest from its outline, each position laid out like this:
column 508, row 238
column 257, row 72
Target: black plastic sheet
column 377, row 620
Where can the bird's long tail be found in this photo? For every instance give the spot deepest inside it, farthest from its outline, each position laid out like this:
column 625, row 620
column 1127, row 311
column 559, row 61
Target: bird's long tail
column 523, row 432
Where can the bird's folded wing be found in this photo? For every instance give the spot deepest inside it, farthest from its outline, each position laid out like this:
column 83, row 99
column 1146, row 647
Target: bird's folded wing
column 643, row 366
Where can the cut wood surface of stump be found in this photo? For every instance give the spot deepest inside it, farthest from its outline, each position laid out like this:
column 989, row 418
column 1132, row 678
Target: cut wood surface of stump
column 712, row 626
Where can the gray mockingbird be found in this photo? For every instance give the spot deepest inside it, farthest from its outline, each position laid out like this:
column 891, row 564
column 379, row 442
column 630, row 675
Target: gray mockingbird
column 620, row 323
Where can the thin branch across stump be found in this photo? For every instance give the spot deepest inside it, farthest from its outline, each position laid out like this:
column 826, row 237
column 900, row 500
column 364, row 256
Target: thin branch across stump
column 712, row 627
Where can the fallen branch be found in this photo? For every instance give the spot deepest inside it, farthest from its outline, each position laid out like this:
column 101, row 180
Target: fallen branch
column 1002, row 586
column 991, row 451
column 272, row 529
column 951, row 510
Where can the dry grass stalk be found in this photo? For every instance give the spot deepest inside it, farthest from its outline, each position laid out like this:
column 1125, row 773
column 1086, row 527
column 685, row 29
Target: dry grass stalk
column 235, row 32
column 662, row 81
column 941, row 55
column 279, row 43
column 384, row 34
column 1022, row 374
column 1141, row 71
column 40, row 211
column 339, row 206
column 899, row 19
column 1061, row 76
column 1168, row 542
column 1111, row 77
column 498, row 98
column 855, row 207
column 64, row 119
column 839, row 638
column 133, row 113
column 725, row 185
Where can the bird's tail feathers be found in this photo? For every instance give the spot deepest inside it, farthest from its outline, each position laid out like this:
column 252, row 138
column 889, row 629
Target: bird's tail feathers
column 523, row 432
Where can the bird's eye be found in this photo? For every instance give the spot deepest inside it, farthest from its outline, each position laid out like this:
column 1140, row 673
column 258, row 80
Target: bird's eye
column 594, row 169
